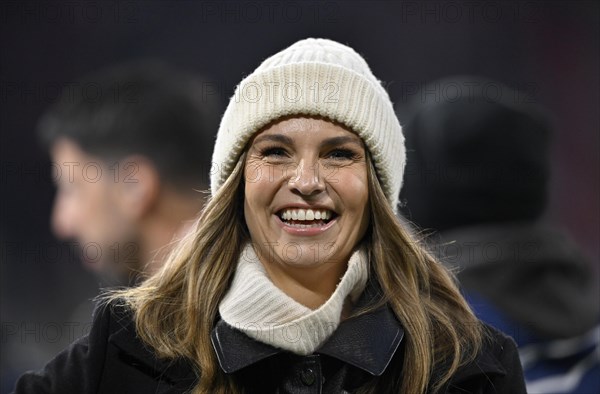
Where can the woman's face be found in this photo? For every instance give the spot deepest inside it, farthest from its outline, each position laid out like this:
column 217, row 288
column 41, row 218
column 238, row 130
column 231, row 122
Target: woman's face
column 306, row 192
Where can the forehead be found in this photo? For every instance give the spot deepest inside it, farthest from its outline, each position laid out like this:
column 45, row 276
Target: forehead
column 307, row 128
column 71, row 164
column 65, row 149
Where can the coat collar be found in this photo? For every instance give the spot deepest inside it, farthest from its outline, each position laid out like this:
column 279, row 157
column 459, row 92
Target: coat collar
column 367, row 341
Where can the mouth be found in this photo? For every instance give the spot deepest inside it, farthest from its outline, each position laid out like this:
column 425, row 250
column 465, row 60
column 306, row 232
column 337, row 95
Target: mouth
column 306, row 218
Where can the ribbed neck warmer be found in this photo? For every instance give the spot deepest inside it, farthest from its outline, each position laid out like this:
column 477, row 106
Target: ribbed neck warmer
column 255, row 306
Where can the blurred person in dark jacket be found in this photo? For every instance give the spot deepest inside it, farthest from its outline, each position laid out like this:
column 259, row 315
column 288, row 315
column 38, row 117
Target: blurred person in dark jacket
column 131, row 149
column 477, row 178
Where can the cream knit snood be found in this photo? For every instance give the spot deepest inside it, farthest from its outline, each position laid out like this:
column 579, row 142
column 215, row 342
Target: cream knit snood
column 255, row 306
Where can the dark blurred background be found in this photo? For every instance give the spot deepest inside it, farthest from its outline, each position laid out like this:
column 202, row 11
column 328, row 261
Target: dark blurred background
column 547, row 50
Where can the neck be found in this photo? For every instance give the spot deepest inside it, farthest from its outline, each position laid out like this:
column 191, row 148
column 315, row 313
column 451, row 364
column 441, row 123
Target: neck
column 309, row 286
column 168, row 222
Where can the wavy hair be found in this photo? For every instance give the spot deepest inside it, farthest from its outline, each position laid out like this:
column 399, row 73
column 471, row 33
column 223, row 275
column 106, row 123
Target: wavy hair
column 176, row 309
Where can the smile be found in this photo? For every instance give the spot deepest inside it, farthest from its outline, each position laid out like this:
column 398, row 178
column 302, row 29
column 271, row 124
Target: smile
column 306, row 221
column 306, row 215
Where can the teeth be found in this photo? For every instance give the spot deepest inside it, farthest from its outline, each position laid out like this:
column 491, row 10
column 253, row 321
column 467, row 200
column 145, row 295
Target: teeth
column 304, row 225
column 306, row 214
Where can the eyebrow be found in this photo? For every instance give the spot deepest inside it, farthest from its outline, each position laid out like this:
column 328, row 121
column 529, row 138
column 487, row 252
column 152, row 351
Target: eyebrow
column 328, row 142
column 274, row 137
column 342, row 140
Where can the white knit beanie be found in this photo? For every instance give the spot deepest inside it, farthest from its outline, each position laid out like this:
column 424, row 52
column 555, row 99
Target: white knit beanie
column 316, row 77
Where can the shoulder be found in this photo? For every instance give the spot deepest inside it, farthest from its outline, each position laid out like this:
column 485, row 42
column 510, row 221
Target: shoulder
column 496, row 368
column 132, row 365
column 78, row 368
column 111, row 358
column 113, row 316
column 498, row 343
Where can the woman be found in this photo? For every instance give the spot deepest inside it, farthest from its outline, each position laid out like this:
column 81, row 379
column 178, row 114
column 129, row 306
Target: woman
column 298, row 276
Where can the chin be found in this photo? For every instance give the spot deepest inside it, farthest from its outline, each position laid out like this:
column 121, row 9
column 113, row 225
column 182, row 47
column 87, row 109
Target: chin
column 306, row 253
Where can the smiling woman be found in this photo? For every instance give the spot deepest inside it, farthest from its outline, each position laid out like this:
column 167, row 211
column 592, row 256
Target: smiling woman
column 298, row 276
column 317, row 168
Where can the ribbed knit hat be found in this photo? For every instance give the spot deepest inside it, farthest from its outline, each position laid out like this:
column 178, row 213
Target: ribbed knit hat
column 317, row 77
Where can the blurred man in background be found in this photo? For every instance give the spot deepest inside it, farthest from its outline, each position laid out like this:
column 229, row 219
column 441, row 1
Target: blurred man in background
column 131, row 149
column 478, row 172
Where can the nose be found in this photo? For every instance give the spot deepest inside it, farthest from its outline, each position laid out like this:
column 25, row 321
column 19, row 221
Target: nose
column 306, row 179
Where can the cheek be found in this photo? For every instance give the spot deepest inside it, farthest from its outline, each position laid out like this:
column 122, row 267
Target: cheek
column 257, row 198
column 260, row 186
column 90, row 202
column 356, row 201
column 252, row 198
column 353, row 190
column 106, row 210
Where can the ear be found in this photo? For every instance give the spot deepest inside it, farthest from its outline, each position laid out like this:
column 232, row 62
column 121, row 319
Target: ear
column 139, row 186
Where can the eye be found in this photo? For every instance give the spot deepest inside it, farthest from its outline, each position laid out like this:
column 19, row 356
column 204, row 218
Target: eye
column 342, row 154
column 274, row 152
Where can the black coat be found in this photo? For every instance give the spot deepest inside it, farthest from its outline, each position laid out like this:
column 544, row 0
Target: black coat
column 112, row 360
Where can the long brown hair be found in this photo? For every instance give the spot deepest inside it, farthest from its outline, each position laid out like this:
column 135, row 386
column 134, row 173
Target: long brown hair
column 176, row 309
